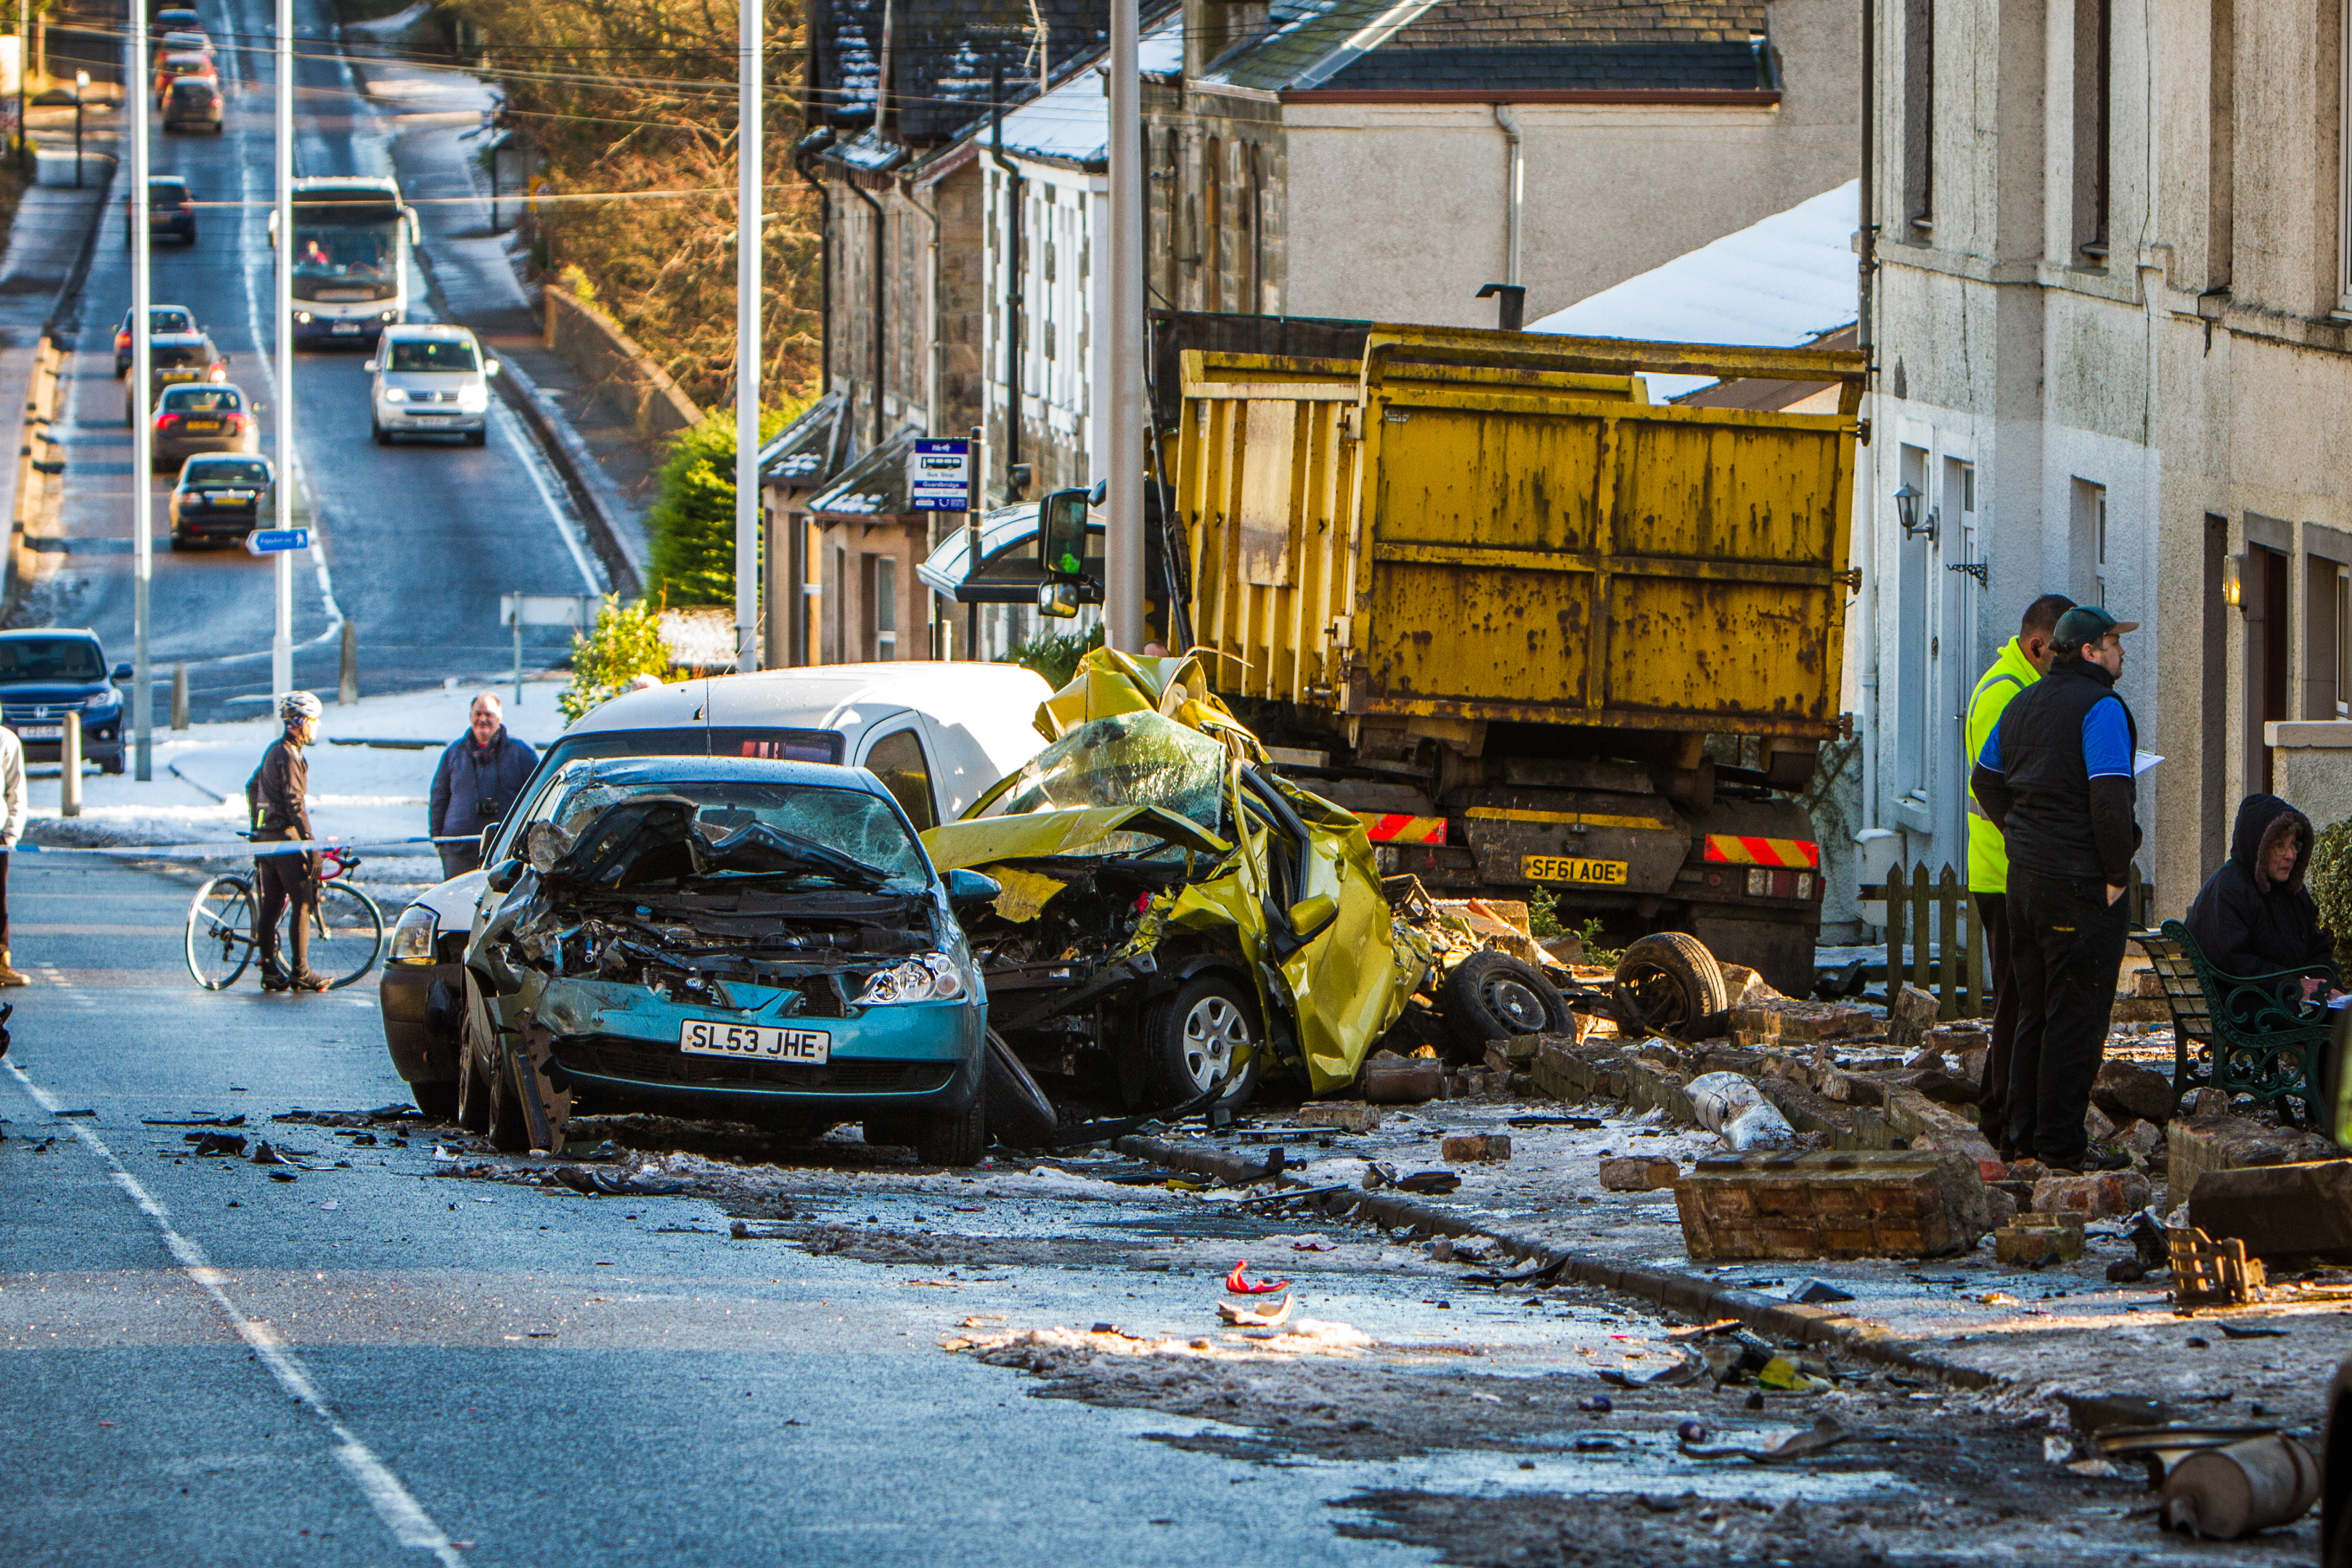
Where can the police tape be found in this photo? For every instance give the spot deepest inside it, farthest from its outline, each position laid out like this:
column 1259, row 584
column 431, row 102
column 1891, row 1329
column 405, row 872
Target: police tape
column 217, row 850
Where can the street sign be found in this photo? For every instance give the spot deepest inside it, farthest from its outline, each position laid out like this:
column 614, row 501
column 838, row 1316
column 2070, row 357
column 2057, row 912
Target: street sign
column 938, row 476
column 271, row 541
column 548, row 609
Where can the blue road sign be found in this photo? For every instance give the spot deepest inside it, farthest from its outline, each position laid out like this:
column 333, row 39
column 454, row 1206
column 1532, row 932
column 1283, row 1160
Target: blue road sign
column 938, row 476
column 270, row 541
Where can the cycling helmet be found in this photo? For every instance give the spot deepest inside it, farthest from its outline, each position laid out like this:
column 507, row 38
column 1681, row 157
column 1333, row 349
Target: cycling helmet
column 297, row 706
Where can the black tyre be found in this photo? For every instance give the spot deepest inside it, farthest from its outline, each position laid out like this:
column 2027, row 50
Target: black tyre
column 477, row 437
column 509, row 1131
column 435, row 1102
column 1491, row 995
column 1207, row 1035
column 383, row 436
column 956, row 1138
column 1668, row 981
column 1019, row 1114
column 473, row 1063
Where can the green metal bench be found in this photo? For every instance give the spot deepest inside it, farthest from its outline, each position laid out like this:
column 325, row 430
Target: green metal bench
column 2251, row 1034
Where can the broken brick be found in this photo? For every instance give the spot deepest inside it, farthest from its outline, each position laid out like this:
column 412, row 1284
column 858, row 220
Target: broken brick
column 2126, row 1090
column 2102, row 1192
column 1638, row 1173
column 2201, row 1143
column 1910, row 1014
column 2035, row 1240
column 1345, row 1115
column 1472, row 1147
column 1873, row 1204
column 2301, row 1211
column 2095, row 1125
column 1391, row 1080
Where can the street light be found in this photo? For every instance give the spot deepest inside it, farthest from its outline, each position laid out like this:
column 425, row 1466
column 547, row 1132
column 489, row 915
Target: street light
column 1907, row 513
column 142, row 425
column 751, row 166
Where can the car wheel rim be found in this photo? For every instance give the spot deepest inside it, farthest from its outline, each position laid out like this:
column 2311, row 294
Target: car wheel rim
column 1213, row 1030
column 1514, row 1002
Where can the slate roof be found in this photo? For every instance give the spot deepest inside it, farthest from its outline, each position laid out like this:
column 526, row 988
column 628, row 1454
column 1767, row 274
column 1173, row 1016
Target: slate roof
column 1508, row 45
column 944, row 55
column 812, row 448
column 875, row 486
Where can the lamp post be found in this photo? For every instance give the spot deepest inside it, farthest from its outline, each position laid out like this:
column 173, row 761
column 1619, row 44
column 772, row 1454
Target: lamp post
column 282, row 640
column 142, row 424
column 1123, row 620
column 750, row 165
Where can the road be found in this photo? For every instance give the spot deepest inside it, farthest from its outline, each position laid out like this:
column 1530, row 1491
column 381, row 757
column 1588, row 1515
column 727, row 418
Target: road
column 402, row 1355
column 416, row 542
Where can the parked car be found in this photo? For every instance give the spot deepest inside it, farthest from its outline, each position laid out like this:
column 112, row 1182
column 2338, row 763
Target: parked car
column 937, row 735
column 193, row 104
column 757, row 940
column 220, row 495
column 430, row 381
column 171, row 211
column 187, row 42
column 48, row 673
column 162, row 321
column 180, row 63
column 192, row 419
column 174, row 19
column 175, row 359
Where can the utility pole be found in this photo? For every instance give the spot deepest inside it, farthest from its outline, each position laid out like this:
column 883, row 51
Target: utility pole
column 1123, row 609
column 281, row 640
column 750, row 165
column 142, row 428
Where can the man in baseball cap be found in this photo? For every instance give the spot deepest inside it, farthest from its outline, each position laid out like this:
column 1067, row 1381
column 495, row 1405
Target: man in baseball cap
column 2057, row 779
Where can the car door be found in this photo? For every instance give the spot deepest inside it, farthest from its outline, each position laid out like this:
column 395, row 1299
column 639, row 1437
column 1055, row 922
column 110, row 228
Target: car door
column 894, row 751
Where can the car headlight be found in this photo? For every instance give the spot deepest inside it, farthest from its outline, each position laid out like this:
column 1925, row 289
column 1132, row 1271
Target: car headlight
column 303, row 317
column 934, row 977
column 388, row 314
column 413, row 933
column 473, row 397
column 110, row 698
column 394, row 395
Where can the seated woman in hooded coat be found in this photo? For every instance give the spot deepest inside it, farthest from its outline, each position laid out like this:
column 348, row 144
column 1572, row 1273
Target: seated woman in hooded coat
column 2252, row 915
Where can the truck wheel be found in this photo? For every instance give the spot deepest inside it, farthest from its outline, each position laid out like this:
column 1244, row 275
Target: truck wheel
column 1491, row 995
column 1668, row 981
column 435, row 1102
column 956, row 1138
column 1019, row 1114
column 1194, row 1037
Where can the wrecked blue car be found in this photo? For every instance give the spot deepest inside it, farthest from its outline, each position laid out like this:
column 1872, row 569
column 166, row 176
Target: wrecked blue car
column 737, row 938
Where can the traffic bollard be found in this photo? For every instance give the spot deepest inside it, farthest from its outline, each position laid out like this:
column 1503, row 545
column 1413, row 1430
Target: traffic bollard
column 347, row 690
column 179, row 698
column 70, row 762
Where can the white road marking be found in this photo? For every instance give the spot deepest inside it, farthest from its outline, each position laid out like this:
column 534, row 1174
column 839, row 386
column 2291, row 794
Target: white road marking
column 394, row 1503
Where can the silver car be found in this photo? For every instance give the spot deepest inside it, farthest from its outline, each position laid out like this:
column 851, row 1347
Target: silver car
column 430, row 380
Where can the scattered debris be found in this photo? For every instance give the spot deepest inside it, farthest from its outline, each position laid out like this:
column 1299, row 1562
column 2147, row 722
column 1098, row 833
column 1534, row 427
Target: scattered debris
column 2228, row 1494
column 2209, row 1273
column 2301, row 1211
column 1389, row 1079
column 1637, row 1174
column 2250, row 1331
column 759, row 1230
column 1239, row 1284
column 1735, row 1110
column 1269, row 1316
column 1475, row 1147
column 1344, row 1115
column 1817, row 1293
column 1863, row 1203
column 84, row 1112
column 209, row 1145
column 2038, row 1240
column 2105, row 1194
column 191, row 1121
column 608, row 1184
column 1826, row 1433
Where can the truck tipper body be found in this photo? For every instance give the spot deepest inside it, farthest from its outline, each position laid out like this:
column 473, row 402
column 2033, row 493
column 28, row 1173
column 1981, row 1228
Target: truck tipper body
column 1540, row 631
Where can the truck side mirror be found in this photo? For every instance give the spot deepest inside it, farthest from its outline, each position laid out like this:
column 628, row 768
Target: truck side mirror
column 1062, row 534
column 1057, row 601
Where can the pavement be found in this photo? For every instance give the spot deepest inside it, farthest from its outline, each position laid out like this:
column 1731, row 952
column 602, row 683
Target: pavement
column 413, row 543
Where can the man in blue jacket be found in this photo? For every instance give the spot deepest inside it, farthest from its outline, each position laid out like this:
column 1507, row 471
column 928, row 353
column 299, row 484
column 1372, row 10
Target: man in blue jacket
column 478, row 778
column 2057, row 779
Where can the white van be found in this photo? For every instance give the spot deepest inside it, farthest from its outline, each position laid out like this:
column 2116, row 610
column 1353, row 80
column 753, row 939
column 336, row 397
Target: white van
column 430, row 381
column 936, row 734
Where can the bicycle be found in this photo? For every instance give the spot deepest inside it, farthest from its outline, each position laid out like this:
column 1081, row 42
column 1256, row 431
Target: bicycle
column 346, row 938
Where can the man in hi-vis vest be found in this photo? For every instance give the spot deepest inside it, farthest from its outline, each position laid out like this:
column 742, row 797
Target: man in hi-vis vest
column 2022, row 662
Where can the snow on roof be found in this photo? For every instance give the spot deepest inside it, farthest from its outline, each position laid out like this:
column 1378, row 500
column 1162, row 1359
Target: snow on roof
column 1785, row 282
column 1072, row 123
column 943, row 568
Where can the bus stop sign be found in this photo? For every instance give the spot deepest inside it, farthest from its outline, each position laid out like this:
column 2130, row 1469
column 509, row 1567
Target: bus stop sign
column 938, row 476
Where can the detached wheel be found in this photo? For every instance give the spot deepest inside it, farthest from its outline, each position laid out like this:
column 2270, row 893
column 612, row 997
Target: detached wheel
column 435, row 1102
column 956, row 1138
column 1491, row 995
column 1205, row 1035
column 1668, row 981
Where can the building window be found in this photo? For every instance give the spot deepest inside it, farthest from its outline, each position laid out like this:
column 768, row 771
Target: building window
column 1914, row 729
column 885, row 606
column 2094, row 38
column 2343, row 586
column 1918, row 118
column 2087, row 544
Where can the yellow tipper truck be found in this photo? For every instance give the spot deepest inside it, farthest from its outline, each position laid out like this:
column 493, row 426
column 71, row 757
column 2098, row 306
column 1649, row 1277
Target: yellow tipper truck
column 1538, row 630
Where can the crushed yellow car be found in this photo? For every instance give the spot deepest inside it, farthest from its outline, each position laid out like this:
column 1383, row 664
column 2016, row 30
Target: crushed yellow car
column 1175, row 915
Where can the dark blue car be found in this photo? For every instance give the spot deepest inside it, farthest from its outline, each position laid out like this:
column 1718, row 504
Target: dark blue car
column 46, row 674
column 753, row 940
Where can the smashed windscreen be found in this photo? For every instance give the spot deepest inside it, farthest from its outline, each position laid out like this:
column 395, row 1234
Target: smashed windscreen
column 744, row 827
column 1129, row 759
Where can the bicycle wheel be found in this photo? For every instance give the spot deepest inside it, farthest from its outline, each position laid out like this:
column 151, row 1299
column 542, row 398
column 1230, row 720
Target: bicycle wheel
column 220, row 932
column 346, row 934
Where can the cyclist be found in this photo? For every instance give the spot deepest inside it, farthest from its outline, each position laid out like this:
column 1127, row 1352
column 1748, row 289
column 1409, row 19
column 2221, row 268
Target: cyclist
column 275, row 798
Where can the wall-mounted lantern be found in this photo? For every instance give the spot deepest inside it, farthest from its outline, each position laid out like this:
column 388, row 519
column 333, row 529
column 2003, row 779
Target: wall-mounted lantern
column 2234, row 582
column 1906, row 512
